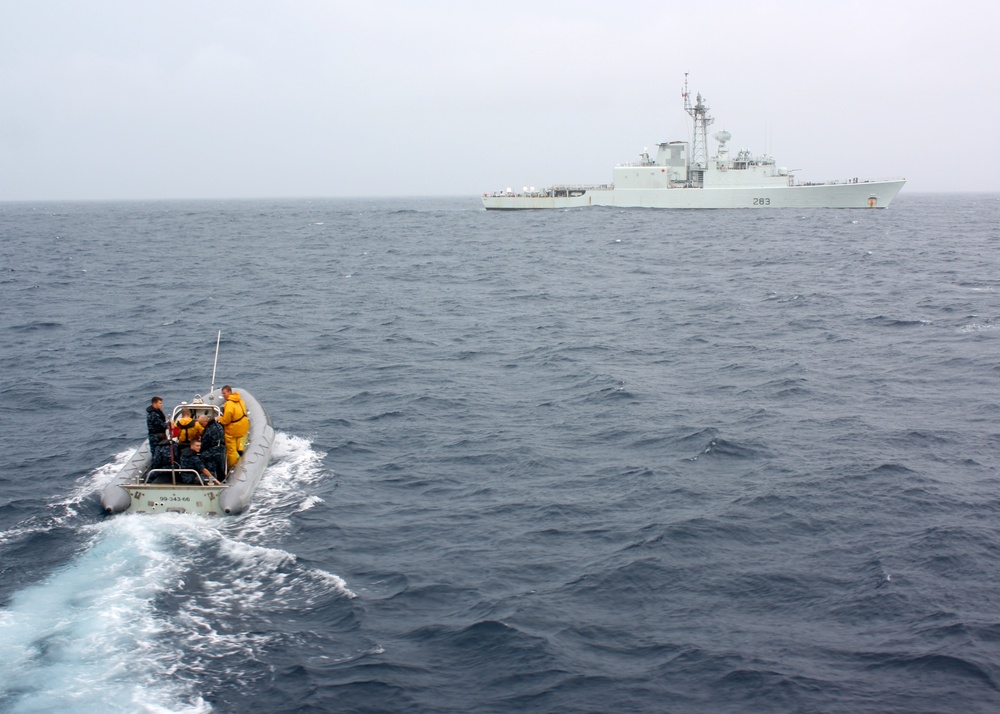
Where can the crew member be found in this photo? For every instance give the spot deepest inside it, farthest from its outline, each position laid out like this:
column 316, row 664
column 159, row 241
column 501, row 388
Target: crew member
column 235, row 423
column 192, row 461
column 187, row 428
column 213, row 445
column 156, row 422
column 156, row 425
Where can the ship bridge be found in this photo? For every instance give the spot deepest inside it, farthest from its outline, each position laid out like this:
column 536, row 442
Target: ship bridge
column 668, row 170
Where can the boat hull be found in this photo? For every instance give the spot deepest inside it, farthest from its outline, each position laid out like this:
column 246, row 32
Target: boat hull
column 866, row 194
column 127, row 493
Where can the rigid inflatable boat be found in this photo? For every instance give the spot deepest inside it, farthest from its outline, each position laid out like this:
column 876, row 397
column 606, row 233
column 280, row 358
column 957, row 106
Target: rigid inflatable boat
column 139, row 488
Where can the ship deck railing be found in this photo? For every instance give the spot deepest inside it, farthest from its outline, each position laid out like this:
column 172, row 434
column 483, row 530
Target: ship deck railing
column 843, row 182
column 555, row 190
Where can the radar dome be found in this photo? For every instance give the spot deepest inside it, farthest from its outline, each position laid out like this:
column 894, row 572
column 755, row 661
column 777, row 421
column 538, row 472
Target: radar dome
column 723, row 136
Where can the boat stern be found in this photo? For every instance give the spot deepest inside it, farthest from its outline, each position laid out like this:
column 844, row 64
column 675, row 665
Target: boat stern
column 167, row 498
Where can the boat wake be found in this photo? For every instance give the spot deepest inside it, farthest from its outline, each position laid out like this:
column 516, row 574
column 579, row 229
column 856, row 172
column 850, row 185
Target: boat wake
column 288, row 483
column 155, row 609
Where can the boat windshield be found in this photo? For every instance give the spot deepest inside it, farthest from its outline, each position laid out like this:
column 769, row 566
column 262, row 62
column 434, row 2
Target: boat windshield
column 198, row 409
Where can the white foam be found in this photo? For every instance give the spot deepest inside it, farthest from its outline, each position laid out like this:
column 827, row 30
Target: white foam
column 309, row 502
column 94, row 637
column 97, row 480
column 295, row 467
column 87, row 638
column 66, row 507
column 977, row 327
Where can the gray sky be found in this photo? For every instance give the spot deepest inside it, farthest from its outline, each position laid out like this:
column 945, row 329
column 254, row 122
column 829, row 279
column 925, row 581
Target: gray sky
column 305, row 98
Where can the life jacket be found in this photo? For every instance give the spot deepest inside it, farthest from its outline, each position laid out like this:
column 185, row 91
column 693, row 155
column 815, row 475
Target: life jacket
column 187, row 429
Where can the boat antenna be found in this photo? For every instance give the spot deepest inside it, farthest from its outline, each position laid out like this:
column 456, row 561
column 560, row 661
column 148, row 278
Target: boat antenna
column 218, row 337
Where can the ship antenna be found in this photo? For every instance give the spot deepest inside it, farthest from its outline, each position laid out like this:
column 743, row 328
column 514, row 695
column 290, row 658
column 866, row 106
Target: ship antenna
column 698, row 112
column 216, row 362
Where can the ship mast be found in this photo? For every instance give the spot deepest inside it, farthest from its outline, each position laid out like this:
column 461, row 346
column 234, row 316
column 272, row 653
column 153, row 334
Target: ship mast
column 698, row 112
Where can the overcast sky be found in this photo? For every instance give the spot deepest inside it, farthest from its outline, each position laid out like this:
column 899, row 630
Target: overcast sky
column 138, row 99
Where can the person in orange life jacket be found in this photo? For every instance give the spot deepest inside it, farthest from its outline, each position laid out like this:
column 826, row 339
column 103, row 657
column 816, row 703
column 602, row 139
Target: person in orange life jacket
column 236, row 424
column 187, row 429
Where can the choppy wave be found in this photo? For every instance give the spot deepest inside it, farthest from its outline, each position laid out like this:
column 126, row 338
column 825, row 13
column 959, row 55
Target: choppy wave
column 614, row 460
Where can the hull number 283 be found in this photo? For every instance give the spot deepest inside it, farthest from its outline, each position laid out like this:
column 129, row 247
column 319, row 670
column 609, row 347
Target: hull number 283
column 762, row 202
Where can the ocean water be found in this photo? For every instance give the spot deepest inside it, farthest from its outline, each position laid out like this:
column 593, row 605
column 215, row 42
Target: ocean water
column 574, row 461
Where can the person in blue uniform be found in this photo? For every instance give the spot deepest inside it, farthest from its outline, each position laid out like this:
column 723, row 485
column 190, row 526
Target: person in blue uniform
column 213, row 445
column 156, row 422
column 156, row 427
column 191, row 461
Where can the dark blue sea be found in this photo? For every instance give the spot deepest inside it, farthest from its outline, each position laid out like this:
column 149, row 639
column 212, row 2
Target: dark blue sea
column 568, row 461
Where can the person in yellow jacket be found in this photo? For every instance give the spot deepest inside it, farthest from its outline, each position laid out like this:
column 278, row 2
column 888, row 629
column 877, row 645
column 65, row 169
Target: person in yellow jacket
column 188, row 429
column 236, row 424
